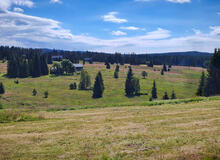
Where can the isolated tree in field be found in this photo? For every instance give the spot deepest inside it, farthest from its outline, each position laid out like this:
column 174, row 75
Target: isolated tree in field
column 162, row 72
column 212, row 86
column 34, row 92
column 2, row 89
column 164, row 68
column 165, row 97
column 108, row 66
column 154, row 91
column 74, row 85
column 144, row 74
column 136, row 85
column 117, row 68
column 116, row 74
column 129, row 89
column 46, row 94
column 173, row 96
column 85, row 81
column 71, row 86
column 98, row 88
column 200, row 91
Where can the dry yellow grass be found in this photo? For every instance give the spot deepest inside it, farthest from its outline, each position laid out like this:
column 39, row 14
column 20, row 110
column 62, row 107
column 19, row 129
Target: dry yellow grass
column 184, row 131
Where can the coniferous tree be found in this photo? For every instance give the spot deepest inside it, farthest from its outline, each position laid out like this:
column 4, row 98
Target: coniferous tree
column 212, row 86
column 46, row 94
column 136, row 85
column 108, row 66
column 34, row 92
column 85, row 81
column 44, row 66
column 98, row 88
column 200, row 91
column 115, row 74
column 144, row 74
column 117, row 68
column 165, row 97
column 162, row 72
column 173, row 96
column 74, row 85
column 2, row 89
column 154, row 91
column 164, row 68
column 129, row 89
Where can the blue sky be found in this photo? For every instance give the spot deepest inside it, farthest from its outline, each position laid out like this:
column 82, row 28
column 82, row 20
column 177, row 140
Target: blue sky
column 126, row 26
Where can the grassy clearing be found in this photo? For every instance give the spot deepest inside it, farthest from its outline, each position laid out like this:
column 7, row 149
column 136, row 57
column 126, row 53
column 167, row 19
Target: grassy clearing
column 180, row 131
column 184, row 80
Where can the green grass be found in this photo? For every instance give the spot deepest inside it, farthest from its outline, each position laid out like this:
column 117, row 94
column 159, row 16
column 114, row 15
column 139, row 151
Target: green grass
column 184, row 80
column 182, row 131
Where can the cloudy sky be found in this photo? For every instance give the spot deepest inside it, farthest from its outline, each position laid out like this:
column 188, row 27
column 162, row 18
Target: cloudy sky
column 141, row 26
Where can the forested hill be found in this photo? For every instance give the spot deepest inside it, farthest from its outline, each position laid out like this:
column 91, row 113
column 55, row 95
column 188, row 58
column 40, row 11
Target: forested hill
column 192, row 58
column 189, row 53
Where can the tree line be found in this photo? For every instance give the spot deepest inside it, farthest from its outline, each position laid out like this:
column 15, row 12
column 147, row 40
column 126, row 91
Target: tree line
column 210, row 83
column 179, row 59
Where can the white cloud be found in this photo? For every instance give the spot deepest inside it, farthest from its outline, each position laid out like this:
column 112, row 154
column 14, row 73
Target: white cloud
column 16, row 9
column 218, row 13
column 23, row 30
column 179, row 1
column 6, row 4
column 118, row 33
column 111, row 17
column 130, row 28
column 55, row 1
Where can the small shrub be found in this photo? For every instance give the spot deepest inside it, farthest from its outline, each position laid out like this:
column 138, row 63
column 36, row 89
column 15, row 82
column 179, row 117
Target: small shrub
column 16, row 82
column 46, row 94
column 2, row 89
column 71, row 86
column 34, row 92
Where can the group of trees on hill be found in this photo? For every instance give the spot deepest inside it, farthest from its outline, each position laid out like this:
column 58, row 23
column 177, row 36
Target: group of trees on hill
column 21, row 66
column 64, row 67
column 210, row 84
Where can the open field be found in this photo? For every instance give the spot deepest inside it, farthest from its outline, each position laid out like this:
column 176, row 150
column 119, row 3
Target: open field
column 184, row 80
column 183, row 131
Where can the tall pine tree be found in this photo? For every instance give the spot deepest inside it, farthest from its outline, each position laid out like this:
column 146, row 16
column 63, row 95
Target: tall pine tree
column 200, row 91
column 98, row 88
column 154, row 91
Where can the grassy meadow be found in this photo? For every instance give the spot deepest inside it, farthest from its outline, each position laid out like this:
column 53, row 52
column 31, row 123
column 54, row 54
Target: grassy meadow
column 182, row 131
column 183, row 80
column 35, row 128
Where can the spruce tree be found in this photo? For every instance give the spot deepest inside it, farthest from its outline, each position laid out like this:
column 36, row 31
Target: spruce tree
column 162, row 72
column 200, row 91
column 2, row 89
column 108, row 66
column 46, row 94
column 212, row 86
column 115, row 74
column 136, row 85
column 144, row 74
column 117, row 68
column 173, row 96
column 34, row 92
column 154, row 91
column 129, row 89
column 85, row 81
column 165, row 97
column 98, row 88
column 164, row 68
